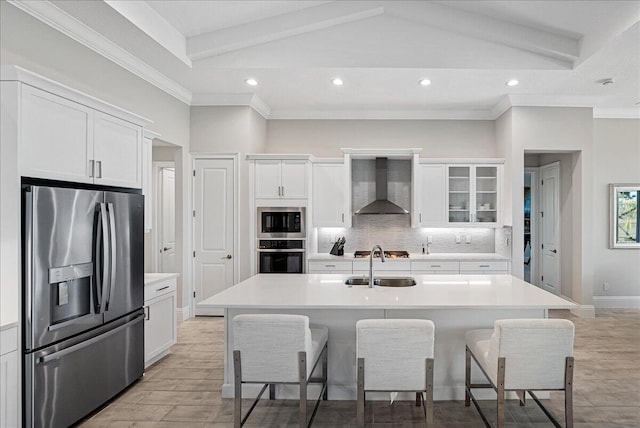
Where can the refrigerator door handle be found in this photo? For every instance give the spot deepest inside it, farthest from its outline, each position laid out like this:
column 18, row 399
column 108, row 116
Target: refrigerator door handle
column 106, row 258
column 70, row 349
column 112, row 245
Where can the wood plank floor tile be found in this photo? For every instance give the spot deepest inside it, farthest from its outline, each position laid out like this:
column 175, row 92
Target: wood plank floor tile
column 184, row 389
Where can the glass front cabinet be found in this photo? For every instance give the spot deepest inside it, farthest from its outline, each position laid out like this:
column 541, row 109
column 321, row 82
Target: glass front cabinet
column 472, row 194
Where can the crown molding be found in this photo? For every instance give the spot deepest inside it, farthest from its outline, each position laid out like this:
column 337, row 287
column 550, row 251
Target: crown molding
column 221, row 100
column 58, row 19
column 19, row 74
column 616, row 113
column 382, row 114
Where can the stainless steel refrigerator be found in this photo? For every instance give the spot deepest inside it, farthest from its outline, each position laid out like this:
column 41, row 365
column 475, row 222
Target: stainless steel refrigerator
column 83, row 279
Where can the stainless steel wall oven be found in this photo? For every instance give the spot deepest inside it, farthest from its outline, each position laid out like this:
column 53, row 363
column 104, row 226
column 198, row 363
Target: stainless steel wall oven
column 281, row 256
column 281, row 222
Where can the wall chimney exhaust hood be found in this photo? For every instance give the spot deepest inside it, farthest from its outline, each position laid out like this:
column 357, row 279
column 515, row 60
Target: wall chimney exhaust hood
column 381, row 205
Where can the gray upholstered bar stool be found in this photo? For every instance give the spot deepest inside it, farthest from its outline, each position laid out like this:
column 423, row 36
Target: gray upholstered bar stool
column 277, row 349
column 395, row 355
column 523, row 355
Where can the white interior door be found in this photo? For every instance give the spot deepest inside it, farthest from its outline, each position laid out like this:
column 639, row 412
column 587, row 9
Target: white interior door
column 550, row 227
column 167, row 220
column 213, row 229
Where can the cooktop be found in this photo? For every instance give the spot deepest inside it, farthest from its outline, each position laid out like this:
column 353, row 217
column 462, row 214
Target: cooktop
column 389, row 254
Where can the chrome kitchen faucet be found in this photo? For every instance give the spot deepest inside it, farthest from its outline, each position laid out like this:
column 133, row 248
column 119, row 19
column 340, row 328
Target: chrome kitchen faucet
column 375, row 247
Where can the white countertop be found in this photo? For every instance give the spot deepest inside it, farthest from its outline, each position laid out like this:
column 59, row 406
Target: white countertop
column 324, row 291
column 154, row 278
column 414, row 256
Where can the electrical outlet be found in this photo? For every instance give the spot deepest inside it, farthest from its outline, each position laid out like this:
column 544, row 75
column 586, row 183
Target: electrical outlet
column 605, row 286
column 468, row 239
column 457, row 239
column 429, row 239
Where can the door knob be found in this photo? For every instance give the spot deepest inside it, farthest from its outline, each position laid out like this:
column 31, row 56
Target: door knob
column 228, row 257
column 554, row 251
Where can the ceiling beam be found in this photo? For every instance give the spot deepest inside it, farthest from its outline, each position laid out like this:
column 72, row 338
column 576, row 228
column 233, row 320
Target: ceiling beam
column 279, row 27
column 143, row 16
column 448, row 18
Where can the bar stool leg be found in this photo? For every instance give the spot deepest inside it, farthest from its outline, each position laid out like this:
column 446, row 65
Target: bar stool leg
column 237, row 397
column 522, row 394
column 429, row 392
column 568, row 392
column 325, row 373
column 302, row 371
column 500, row 391
column 272, row 391
column 467, row 378
column 361, row 399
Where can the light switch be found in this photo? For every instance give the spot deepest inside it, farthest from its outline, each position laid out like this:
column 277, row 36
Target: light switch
column 468, row 239
column 457, row 239
column 429, row 239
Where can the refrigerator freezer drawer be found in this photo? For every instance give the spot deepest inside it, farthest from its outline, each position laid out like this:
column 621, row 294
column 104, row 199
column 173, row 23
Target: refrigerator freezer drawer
column 65, row 383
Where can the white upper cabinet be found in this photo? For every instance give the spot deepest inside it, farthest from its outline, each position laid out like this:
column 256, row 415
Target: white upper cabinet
column 280, row 179
column 70, row 136
column 328, row 196
column 294, row 179
column 56, row 137
column 117, row 152
column 432, row 195
column 473, row 194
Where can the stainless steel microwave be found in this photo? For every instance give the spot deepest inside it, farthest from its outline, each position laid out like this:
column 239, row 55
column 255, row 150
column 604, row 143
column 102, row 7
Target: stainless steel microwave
column 281, row 222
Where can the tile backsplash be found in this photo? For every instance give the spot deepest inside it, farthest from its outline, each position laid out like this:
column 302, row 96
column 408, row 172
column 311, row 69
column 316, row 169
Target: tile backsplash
column 394, row 232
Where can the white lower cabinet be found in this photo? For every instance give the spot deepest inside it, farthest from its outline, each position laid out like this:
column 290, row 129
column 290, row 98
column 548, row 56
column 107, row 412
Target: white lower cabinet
column 160, row 320
column 9, row 378
column 416, row 267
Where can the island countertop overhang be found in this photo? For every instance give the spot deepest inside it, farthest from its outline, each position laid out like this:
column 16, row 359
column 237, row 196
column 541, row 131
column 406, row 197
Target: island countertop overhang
column 328, row 291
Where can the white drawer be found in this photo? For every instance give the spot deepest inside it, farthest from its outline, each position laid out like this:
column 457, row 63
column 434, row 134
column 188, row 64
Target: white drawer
column 378, row 266
column 426, row 265
column 435, row 272
column 159, row 288
column 316, row 265
column 8, row 340
column 487, row 266
column 342, row 272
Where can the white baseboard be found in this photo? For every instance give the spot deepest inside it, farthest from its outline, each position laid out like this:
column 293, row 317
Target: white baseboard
column 610, row 302
column 183, row 313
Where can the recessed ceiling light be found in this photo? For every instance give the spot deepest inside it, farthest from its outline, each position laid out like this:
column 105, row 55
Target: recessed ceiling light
column 251, row 82
column 425, row 82
column 337, row 81
column 512, row 82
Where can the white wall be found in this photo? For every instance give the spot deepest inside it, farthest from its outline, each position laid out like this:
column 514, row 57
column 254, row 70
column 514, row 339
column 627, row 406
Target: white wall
column 616, row 160
column 231, row 130
column 556, row 129
column 438, row 138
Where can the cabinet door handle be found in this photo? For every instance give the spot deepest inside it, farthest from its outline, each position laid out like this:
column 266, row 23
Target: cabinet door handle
column 343, row 217
column 279, row 190
column 163, row 288
column 484, row 266
column 148, row 312
column 420, row 217
column 436, row 266
column 330, row 266
column 283, row 191
column 92, row 166
column 99, row 168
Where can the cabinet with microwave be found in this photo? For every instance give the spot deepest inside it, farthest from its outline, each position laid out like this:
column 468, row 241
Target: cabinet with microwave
column 281, row 179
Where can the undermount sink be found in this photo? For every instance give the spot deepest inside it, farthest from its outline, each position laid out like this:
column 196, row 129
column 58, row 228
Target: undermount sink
column 404, row 281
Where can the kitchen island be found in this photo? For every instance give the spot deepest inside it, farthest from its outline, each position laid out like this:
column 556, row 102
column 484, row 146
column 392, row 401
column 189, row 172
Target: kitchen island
column 455, row 303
